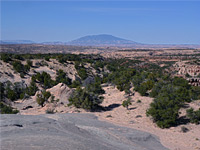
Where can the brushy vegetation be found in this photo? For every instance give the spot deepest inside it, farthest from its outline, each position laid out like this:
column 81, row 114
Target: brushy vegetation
column 169, row 93
column 126, row 103
column 170, row 96
column 88, row 98
column 81, row 70
column 194, row 116
column 43, row 97
column 4, row 109
column 44, row 79
column 62, row 78
column 17, row 90
column 85, row 99
column 6, row 57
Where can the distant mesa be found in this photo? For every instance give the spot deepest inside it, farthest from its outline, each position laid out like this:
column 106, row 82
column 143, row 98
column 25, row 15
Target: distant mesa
column 101, row 40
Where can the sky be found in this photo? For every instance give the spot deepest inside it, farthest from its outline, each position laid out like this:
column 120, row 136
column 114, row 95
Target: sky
column 150, row 22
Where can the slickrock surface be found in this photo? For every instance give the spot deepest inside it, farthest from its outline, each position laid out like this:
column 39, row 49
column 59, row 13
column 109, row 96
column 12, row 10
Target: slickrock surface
column 70, row 132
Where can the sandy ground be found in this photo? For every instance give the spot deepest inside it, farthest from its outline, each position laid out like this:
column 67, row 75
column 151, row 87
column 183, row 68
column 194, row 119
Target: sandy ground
column 136, row 118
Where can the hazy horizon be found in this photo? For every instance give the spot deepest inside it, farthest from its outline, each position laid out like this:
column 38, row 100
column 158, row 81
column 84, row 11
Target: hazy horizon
column 148, row 22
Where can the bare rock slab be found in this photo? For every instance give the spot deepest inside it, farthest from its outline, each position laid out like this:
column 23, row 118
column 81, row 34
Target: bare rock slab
column 70, row 132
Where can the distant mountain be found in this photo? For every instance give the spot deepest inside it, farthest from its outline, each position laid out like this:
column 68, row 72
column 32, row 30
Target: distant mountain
column 102, row 40
column 16, row 42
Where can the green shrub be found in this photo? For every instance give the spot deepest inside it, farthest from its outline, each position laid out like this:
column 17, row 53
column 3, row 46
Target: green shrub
column 31, row 89
column 61, row 60
column 194, row 93
column 22, row 95
column 26, row 68
column 18, row 66
column 142, row 89
column 2, row 90
column 11, row 94
column 164, row 111
column 43, row 97
column 47, row 58
column 194, row 116
column 4, row 109
column 6, row 58
column 19, row 57
column 126, row 103
column 29, row 63
column 82, row 72
column 22, row 75
column 13, row 91
column 169, row 98
column 181, row 82
column 84, row 99
column 98, row 64
column 156, row 89
column 95, row 88
column 75, row 84
column 62, row 78
column 45, row 79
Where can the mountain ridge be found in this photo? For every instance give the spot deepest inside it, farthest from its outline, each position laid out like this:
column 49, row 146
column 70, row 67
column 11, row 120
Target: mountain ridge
column 17, row 42
column 101, row 40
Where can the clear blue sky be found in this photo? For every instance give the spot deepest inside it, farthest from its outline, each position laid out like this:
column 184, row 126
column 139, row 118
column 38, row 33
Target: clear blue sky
column 156, row 22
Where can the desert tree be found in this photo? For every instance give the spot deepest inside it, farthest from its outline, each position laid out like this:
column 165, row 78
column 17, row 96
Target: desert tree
column 126, row 103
